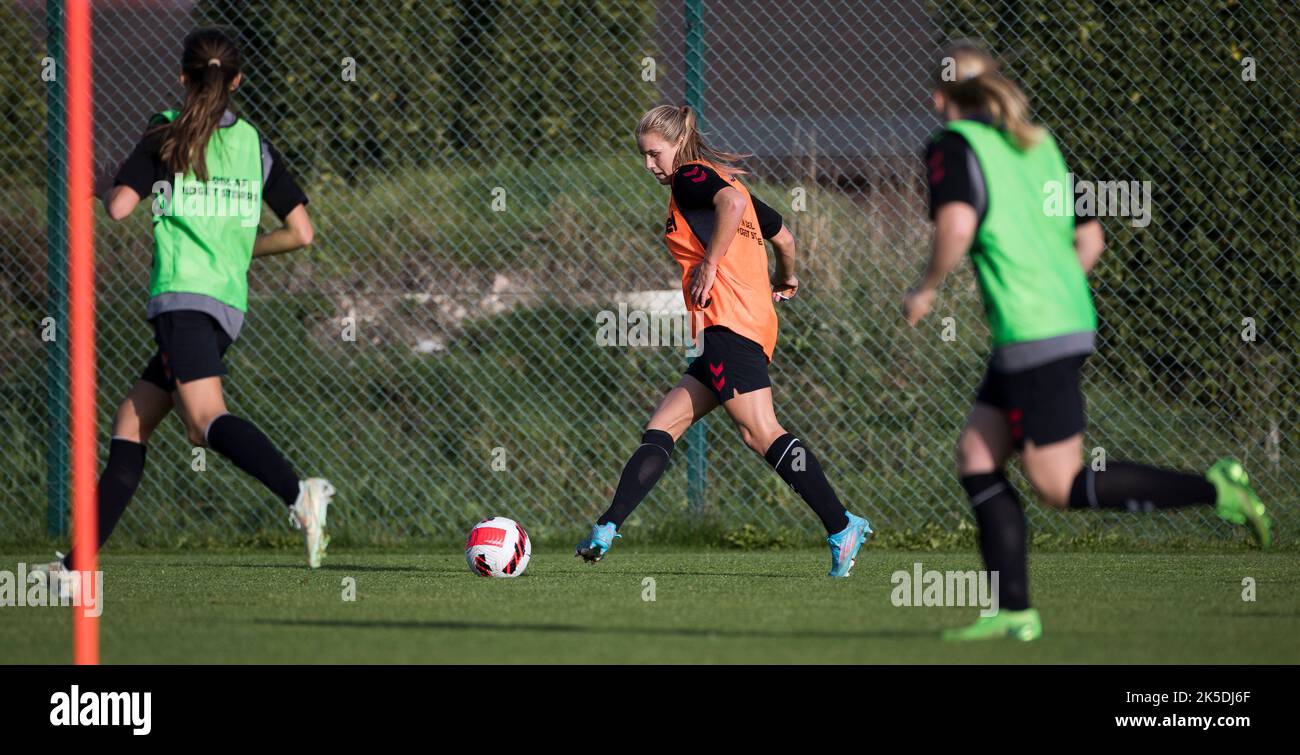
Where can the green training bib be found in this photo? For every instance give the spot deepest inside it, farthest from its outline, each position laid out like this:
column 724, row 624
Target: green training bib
column 1030, row 278
column 204, row 230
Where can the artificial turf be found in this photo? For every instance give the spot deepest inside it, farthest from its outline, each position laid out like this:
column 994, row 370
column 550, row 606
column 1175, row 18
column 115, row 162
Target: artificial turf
column 711, row 606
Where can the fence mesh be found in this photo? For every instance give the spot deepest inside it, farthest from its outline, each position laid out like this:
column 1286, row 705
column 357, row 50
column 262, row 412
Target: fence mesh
column 483, row 220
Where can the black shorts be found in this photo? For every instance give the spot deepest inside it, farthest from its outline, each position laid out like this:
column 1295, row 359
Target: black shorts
column 190, row 346
column 729, row 364
column 1043, row 404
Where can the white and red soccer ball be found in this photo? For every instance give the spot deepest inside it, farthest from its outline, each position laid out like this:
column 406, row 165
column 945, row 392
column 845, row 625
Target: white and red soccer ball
column 498, row 547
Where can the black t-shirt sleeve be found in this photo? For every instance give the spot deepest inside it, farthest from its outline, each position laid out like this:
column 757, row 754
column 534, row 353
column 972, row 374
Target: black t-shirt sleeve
column 953, row 174
column 769, row 220
column 947, row 163
column 143, row 167
column 281, row 192
column 695, row 186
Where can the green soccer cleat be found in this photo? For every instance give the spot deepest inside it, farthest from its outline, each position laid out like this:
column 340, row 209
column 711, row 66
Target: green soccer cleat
column 1237, row 502
column 1003, row 625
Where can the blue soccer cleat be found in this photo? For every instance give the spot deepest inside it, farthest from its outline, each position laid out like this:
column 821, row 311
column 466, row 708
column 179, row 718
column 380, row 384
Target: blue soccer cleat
column 846, row 543
column 597, row 544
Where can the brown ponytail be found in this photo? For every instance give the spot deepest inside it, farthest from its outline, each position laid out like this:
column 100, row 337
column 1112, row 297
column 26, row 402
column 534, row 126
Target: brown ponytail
column 678, row 126
column 210, row 61
column 969, row 77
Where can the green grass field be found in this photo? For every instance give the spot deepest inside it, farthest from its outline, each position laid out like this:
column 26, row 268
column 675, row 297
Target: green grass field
column 711, row 606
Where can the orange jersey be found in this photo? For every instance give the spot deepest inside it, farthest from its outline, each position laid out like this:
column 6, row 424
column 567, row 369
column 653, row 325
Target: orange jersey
column 741, row 299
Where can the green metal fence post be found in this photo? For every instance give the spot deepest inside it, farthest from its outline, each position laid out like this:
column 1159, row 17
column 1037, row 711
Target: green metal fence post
column 697, row 437
column 56, row 286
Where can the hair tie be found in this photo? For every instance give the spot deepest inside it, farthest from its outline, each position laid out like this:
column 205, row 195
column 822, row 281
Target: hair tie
column 214, row 62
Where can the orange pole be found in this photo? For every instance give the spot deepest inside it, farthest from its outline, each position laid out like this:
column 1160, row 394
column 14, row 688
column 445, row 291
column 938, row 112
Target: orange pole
column 81, row 319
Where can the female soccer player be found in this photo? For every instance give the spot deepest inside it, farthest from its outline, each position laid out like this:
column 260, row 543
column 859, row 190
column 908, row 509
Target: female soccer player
column 211, row 170
column 715, row 232
column 987, row 169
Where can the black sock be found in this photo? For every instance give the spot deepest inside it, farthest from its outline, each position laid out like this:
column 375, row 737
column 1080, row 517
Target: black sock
column 799, row 468
column 640, row 474
column 240, row 441
column 1003, row 536
column 117, row 483
column 1138, row 487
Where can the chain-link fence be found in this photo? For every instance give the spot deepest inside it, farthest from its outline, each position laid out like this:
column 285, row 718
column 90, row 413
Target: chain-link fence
column 443, row 351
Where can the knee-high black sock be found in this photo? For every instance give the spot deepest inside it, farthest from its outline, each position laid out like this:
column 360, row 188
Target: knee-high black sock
column 1003, row 536
column 1138, row 487
column 640, row 474
column 801, row 471
column 117, row 483
column 240, row 441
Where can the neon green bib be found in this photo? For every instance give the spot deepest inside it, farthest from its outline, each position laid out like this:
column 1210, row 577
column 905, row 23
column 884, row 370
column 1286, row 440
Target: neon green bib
column 203, row 233
column 1030, row 278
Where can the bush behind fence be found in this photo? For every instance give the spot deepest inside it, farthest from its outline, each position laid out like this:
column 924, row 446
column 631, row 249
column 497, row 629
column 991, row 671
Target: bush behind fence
column 479, row 203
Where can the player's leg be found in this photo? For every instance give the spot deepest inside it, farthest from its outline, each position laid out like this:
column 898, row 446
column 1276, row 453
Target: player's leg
column 680, row 408
column 688, row 401
column 1140, row 487
column 1056, row 469
column 1064, row 481
column 738, row 373
column 737, row 370
column 1038, row 411
column 145, row 407
column 208, row 423
column 983, row 448
column 1052, row 468
column 982, row 451
column 194, row 345
column 755, row 418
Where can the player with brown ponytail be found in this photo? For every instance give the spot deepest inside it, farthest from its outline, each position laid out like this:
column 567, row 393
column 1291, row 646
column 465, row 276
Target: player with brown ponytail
column 209, row 172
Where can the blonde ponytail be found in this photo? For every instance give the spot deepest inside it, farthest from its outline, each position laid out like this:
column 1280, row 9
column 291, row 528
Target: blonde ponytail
column 969, row 78
column 678, row 125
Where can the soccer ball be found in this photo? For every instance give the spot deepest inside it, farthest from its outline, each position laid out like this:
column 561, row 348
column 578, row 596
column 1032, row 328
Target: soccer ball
column 498, row 547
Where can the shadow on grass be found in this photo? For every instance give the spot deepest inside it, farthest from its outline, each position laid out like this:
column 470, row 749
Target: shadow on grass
column 639, row 573
column 594, row 571
column 349, row 568
column 488, row 626
column 1255, row 614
